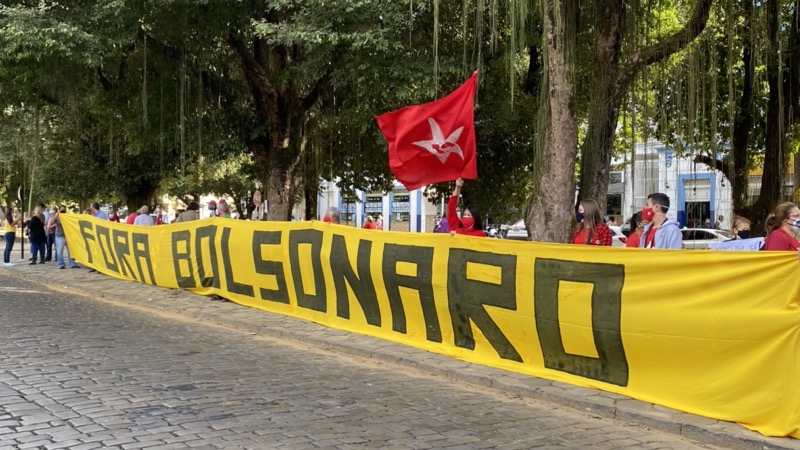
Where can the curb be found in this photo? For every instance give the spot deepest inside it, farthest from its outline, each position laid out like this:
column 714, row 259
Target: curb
column 264, row 323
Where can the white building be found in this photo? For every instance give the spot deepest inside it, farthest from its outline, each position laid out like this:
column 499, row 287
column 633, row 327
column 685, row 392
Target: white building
column 401, row 210
column 696, row 191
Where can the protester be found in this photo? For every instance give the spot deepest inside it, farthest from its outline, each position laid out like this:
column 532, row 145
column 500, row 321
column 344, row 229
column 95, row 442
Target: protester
column 11, row 234
column 61, row 241
column 37, row 235
column 612, row 221
column 370, row 224
column 191, row 213
column 131, row 218
column 162, row 218
column 379, row 222
column 740, row 228
column 212, row 209
column 50, row 229
column 590, row 230
column 332, row 215
column 470, row 222
column 707, row 224
column 660, row 232
column 224, row 209
column 95, row 210
column 144, row 218
column 444, row 226
column 636, row 226
column 112, row 215
column 781, row 226
column 718, row 223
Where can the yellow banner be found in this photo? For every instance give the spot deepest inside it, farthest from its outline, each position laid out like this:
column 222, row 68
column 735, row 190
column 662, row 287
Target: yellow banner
column 710, row 333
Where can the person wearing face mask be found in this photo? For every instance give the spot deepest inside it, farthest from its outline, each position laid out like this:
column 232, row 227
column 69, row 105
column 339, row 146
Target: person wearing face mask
column 212, row 209
column 660, row 232
column 590, row 230
column 740, row 228
column 61, row 241
column 223, row 209
column 781, row 226
column 637, row 228
column 470, row 222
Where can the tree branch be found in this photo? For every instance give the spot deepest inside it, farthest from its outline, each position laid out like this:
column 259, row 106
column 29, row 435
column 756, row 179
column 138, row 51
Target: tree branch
column 667, row 47
column 714, row 164
column 265, row 96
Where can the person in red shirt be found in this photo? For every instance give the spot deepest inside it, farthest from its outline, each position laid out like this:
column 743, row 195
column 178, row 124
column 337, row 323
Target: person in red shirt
column 637, row 228
column 370, row 224
column 470, row 222
column 132, row 217
column 590, row 230
column 112, row 215
column 781, row 226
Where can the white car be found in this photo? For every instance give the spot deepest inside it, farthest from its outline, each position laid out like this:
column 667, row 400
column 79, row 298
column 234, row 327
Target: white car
column 619, row 239
column 517, row 231
column 699, row 238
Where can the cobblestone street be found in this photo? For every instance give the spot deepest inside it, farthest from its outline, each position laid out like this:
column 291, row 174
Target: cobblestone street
column 78, row 373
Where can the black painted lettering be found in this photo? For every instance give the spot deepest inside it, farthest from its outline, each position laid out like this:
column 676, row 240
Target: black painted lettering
column 267, row 267
column 232, row 284
column 422, row 282
column 183, row 239
column 104, row 239
column 122, row 250
column 141, row 253
column 318, row 300
column 362, row 286
column 207, row 233
column 86, row 228
column 467, row 297
column 611, row 366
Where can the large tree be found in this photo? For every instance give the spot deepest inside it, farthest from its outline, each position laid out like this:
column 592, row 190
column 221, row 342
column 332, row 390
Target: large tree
column 612, row 78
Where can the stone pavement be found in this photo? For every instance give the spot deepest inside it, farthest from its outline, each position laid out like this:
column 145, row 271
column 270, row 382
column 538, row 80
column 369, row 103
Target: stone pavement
column 187, row 305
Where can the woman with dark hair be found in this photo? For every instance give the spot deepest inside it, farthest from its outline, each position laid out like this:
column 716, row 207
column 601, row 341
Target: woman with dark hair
column 781, row 226
column 36, row 234
column 470, row 222
column 191, row 213
column 11, row 234
column 636, row 227
column 590, row 230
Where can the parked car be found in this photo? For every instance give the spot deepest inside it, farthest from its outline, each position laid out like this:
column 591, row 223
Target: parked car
column 699, row 238
column 619, row 239
column 517, row 231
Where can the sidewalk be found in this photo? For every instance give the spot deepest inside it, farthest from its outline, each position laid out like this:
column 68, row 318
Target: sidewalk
column 186, row 304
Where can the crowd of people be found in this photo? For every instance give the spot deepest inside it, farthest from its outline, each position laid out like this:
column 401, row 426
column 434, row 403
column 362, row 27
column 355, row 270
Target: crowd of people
column 648, row 228
column 45, row 232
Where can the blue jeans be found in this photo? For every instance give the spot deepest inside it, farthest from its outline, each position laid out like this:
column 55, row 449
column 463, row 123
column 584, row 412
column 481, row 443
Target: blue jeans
column 61, row 245
column 9, row 246
column 51, row 239
column 37, row 248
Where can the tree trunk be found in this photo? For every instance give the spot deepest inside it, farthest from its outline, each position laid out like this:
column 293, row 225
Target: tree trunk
column 743, row 123
column 602, row 128
column 604, row 103
column 775, row 142
column 550, row 212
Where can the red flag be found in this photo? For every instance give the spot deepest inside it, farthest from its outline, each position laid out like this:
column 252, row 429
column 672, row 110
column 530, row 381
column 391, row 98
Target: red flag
column 433, row 142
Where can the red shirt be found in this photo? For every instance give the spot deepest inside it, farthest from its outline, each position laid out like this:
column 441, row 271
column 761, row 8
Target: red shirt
column 601, row 235
column 780, row 240
column 131, row 218
column 633, row 240
column 114, row 218
column 370, row 226
column 455, row 222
